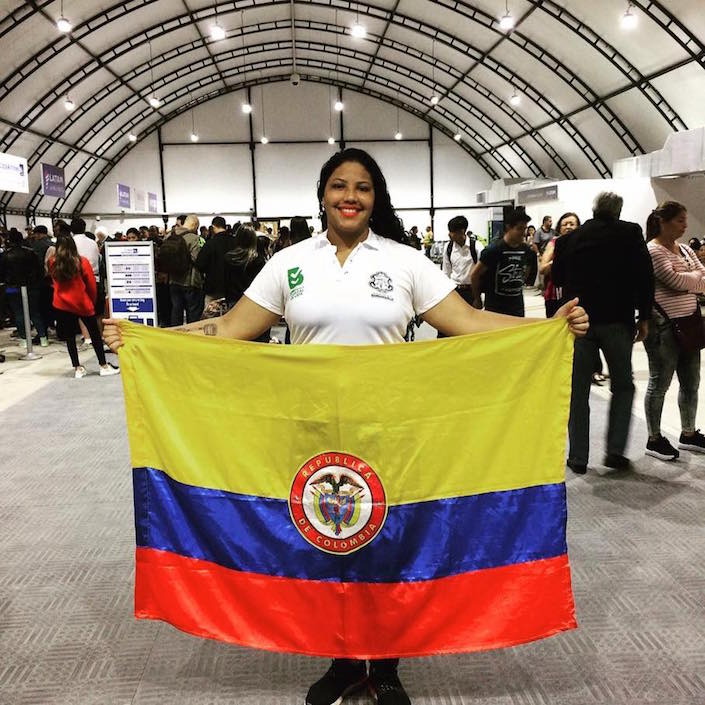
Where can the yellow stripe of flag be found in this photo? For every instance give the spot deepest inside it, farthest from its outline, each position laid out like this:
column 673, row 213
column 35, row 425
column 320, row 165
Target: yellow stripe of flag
column 402, row 408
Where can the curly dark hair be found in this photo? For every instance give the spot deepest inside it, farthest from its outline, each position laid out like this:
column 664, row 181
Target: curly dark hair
column 384, row 220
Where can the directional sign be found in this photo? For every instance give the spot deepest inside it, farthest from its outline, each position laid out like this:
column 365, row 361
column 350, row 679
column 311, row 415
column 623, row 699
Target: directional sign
column 132, row 291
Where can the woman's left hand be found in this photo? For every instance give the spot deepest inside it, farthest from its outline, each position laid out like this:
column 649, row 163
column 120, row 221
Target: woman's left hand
column 578, row 320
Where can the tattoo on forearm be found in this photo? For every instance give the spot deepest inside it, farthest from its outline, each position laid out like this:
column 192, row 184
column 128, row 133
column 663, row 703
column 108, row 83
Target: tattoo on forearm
column 205, row 328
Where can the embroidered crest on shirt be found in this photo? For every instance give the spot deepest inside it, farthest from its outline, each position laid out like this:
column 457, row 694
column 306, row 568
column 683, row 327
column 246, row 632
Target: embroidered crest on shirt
column 381, row 282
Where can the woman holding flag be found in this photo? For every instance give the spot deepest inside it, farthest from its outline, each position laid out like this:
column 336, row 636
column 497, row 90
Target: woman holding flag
column 356, row 284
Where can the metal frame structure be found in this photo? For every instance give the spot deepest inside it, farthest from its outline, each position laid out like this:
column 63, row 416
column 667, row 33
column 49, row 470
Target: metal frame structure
column 656, row 11
column 83, row 72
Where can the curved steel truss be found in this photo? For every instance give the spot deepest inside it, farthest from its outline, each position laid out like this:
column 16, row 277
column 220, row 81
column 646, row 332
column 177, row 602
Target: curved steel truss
column 451, row 114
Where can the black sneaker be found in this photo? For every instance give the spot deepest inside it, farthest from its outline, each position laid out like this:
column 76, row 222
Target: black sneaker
column 342, row 678
column 386, row 688
column 694, row 443
column 617, row 462
column 662, row 449
column 577, row 468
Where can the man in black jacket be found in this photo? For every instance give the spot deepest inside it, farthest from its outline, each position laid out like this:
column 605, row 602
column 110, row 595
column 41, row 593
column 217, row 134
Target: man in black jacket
column 605, row 264
column 211, row 259
column 20, row 266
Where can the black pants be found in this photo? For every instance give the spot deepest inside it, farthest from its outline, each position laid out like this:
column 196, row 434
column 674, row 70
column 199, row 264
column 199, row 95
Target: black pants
column 552, row 306
column 466, row 295
column 387, row 665
column 68, row 322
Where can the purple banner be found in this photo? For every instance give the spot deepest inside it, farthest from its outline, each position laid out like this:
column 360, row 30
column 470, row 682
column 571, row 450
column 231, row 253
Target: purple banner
column 124, row 199
column 152, row 202
column 53, row 181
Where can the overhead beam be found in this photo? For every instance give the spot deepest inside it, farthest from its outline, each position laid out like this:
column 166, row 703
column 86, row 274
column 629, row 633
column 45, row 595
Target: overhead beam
column 95, row 182
column 204, row 43
column 462, row 8
column 582, row 144
column 50, row 139
column 85, row 49
column 608, row 96
column 477, row 62
column 381, row 39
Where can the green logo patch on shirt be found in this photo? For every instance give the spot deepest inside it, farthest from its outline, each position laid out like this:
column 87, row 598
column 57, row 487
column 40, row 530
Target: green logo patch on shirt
column 296, row 277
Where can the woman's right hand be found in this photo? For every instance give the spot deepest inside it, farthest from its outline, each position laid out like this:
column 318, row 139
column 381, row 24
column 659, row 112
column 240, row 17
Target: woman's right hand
column 112, row 335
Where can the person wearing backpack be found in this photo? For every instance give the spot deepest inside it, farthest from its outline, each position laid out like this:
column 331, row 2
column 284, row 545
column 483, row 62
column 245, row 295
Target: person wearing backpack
column 177, row 258
column 459, row 257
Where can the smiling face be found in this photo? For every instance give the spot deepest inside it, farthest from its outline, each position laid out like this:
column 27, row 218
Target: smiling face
column 348, row 199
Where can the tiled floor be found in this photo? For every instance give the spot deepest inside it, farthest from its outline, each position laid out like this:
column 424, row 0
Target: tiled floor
column 67, row 635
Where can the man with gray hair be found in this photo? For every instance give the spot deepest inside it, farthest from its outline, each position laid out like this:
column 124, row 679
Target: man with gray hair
column 177, row 258
column 606, row 265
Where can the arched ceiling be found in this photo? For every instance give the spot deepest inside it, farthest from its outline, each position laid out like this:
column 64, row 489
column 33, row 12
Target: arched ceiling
column 591, row 92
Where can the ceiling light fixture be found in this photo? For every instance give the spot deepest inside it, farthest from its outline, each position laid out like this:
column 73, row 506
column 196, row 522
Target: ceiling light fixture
column 398, row 135
column 246, row 108
column 338, row 105
column 152, row 100
column 457, row 137
column 629, row 19
column 264, row 140
column 434, row 100
column 217, row 32
column 507, row 22
column 194, row 134
column 62, row 24
column 331, row 140
column 515, row 99
column 132, row 137
column 69, row 105
column 358, row 31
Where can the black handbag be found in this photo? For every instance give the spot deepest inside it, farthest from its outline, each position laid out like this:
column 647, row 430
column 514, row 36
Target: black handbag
column 689, row 331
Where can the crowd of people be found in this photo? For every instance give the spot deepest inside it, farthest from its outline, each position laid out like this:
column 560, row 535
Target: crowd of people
column 635, row 288
column 645, row 290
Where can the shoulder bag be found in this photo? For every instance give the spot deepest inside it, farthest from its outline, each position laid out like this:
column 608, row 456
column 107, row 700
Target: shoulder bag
column 689, row 331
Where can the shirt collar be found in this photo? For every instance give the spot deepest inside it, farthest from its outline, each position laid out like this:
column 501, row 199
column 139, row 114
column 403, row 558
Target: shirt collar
column 372, row 241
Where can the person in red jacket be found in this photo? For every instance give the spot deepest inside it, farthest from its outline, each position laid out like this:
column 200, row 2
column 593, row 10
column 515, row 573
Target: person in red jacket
column 74, row 297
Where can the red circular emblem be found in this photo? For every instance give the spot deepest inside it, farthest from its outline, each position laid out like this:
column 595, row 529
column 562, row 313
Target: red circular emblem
column 337, row 502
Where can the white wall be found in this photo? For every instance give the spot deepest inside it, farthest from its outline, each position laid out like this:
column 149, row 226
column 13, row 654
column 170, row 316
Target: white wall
column 641, row 196
column 217, row 178
column 139, row 168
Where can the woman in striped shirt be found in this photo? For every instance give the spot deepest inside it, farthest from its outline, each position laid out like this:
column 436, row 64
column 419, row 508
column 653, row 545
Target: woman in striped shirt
column 679, row 276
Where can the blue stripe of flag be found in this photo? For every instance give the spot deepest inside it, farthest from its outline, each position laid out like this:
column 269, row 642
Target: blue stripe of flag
column 419, row 541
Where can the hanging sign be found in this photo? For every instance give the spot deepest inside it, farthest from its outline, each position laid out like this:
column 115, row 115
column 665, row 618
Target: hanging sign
column 132, row 291
column 140, row 201
column 535, row 195
column 53, row 181
column 124, row 199
column 152, row 202
column 13, row 173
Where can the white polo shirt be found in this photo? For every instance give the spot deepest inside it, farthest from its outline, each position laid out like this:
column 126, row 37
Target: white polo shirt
column 368, row 300
column 461, row 263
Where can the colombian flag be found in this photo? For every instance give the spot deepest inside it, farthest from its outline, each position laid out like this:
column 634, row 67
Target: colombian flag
column 352, row 501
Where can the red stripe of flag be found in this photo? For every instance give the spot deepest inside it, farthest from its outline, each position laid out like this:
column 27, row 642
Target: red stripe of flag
column 484, row 609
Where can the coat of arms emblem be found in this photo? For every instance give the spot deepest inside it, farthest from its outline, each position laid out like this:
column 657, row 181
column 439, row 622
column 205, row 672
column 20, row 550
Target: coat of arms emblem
column 337, row 502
